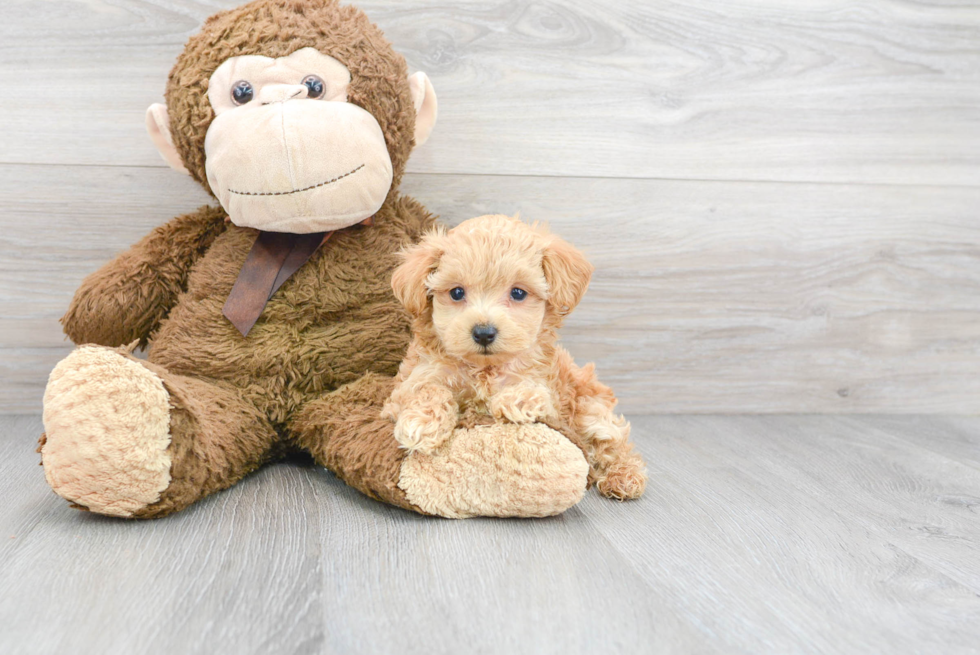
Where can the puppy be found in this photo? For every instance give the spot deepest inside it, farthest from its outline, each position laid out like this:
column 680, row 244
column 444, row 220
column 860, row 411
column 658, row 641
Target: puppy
column 487, row 299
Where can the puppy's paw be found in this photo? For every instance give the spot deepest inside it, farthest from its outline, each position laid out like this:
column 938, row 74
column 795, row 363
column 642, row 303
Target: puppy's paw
column 624, row 480
column 424, row 428
column 523, row 404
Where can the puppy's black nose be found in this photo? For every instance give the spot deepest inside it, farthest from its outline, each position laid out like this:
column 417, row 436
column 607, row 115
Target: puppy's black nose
column 484, row 334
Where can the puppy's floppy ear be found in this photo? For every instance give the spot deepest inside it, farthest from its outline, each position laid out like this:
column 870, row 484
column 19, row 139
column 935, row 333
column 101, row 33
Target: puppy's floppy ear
column 408, row 280
column 568, row 273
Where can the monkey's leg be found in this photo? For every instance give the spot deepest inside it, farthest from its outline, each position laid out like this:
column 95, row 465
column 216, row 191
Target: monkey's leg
column 128, row 438
column 499, row 469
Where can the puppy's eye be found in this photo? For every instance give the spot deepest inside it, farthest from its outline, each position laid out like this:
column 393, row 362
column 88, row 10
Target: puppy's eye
column 242, row 92
column 518, row 294
column 457, row 293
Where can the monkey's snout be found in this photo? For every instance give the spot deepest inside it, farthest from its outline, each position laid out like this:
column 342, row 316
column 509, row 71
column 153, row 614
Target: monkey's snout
column 484, row 334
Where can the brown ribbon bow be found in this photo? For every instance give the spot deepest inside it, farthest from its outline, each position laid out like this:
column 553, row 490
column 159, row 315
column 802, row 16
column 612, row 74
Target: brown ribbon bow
column 274, row 257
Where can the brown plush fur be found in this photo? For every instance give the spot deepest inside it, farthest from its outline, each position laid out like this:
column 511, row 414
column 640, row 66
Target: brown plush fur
column 127, row 299
column 235, row 399
column 203, row 414
column 315, row 370
column 345, row 432
column 276, row 28
column 523, row 375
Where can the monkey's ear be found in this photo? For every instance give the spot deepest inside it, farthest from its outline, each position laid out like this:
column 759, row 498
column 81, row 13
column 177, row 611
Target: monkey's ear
column 158, row 125
column 408, row 280
column 568, row 273
column 426, row 106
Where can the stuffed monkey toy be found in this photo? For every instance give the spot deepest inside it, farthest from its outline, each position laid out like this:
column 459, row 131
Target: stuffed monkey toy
column 270, row 321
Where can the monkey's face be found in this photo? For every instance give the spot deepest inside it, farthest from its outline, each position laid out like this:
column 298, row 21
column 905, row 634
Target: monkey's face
column 286, row 152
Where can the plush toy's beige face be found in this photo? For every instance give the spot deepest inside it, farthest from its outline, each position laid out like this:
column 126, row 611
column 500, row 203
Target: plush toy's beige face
column 286, row 151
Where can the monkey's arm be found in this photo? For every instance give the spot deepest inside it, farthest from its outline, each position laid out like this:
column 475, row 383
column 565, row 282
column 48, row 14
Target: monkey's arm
column 127, row 298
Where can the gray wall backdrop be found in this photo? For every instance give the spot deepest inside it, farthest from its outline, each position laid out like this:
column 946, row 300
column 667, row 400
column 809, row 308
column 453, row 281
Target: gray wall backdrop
column 782, row 199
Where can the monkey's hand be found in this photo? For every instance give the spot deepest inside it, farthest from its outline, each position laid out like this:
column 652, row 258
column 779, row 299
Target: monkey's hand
column 523, row 403
column 427, row 419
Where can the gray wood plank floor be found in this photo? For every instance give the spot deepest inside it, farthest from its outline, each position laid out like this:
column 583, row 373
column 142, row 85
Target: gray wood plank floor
column 782, row 534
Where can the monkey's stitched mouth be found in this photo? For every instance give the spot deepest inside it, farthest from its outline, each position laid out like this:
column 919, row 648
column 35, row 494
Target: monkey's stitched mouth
column 288, row 193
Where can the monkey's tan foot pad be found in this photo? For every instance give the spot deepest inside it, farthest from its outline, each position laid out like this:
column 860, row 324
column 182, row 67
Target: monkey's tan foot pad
column 497, row 470
column 107, row 420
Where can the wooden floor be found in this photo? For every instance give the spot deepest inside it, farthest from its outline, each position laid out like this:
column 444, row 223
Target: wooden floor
column 776, row 534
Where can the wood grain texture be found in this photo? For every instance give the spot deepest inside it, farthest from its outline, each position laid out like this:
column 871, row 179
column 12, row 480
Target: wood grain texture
column 789, row 534
column 730, row 297
column 803, row 524
column 956, row 437
column 815, row 90
column 756, row 283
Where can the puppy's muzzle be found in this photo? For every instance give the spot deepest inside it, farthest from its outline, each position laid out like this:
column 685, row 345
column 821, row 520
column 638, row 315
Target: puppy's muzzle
column 484, row 334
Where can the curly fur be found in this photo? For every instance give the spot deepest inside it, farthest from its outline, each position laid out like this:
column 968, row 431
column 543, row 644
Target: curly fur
column 237, row 402
column 524, row 375
column 315, row 369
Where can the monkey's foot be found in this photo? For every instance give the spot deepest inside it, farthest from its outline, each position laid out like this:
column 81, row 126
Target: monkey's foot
column 107, row 425
column 497, row 470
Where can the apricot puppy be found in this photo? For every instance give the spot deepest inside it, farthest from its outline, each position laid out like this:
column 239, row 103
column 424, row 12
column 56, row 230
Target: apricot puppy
column 487, row 299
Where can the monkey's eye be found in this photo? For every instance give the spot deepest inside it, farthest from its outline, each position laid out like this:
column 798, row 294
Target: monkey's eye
column 457, row 293
column 242, row 92
column 518, row 294
column 314, row 85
